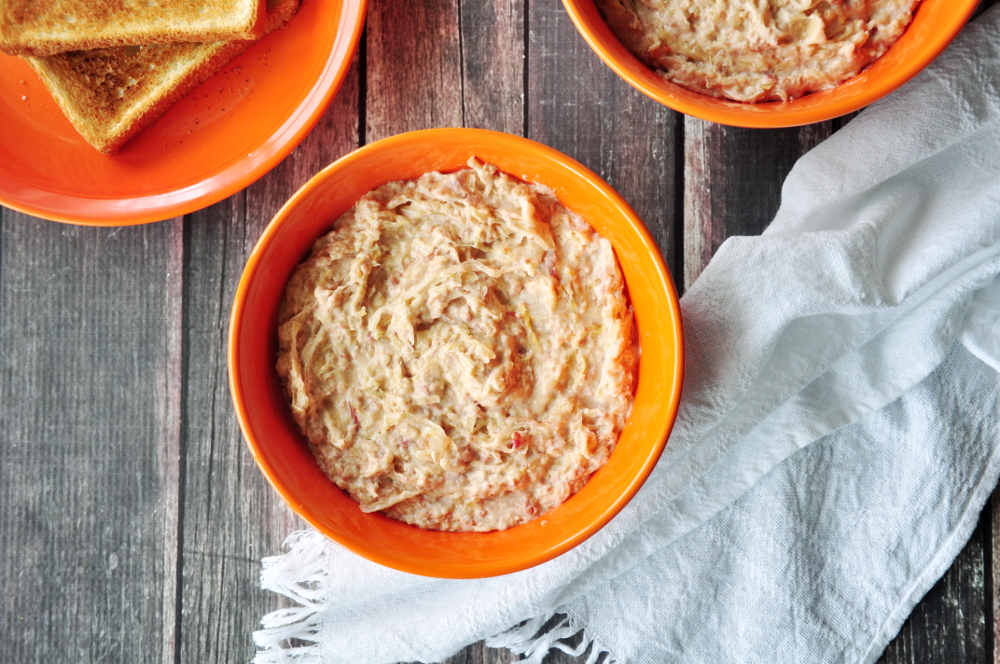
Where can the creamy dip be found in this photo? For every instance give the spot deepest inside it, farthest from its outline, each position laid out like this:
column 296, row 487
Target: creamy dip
column 758, row 50
column 459, row 351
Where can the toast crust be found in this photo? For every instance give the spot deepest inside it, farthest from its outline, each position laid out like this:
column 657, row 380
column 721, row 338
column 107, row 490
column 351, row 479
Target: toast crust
column 111, row 94
column 30, row 27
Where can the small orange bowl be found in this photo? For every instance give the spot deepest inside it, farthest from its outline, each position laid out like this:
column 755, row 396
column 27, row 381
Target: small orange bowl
column 282, row 452
column 934, row 25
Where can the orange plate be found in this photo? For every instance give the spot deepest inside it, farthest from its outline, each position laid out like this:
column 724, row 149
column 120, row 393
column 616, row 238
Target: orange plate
column 934, row 25
column 220, row 138
column 283, row 454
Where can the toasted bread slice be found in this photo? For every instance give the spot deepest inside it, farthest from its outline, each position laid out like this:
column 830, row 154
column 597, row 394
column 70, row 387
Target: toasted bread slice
column 45, row 27
column 111, row 94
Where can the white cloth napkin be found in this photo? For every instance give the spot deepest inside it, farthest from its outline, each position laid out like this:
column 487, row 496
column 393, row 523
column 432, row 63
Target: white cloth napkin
column 862, row 328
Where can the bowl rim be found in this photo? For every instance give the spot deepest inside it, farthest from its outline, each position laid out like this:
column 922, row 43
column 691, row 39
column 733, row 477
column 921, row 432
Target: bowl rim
column 767, row 115
column 252, row 271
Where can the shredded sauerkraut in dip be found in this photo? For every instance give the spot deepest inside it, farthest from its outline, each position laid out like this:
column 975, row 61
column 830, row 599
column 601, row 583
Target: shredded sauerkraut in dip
column 758, row 50
column 459, row 351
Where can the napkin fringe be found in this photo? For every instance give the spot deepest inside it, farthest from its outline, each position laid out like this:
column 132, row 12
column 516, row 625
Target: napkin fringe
column 534, row 639
column 301, row 574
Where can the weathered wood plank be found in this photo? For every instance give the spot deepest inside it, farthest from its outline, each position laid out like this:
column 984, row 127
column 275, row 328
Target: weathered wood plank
column 984, row 5
column 414, row 78
column 950, row 623
column 90, row 353
column 577, row 105
column 492, row 49
column 478, row 653
column 993, row 577
column 231, row 516
column 460, row 63
column 732, row 182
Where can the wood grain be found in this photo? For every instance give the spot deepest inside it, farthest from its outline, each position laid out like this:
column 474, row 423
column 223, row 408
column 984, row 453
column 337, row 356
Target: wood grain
column 580, row 107
column 89, row 457
column 492, row 52
column 991, row 581
column 414, row 78
column 732, row 182
column 231, row 516
column 984, row 5
column 461, row 64
column 950, row 624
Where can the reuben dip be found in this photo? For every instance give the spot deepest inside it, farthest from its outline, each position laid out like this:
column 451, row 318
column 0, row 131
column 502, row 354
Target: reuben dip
column 758, row 50
column 459, row 350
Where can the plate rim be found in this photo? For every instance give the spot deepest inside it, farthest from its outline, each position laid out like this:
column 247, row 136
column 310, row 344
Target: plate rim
column 227, row 179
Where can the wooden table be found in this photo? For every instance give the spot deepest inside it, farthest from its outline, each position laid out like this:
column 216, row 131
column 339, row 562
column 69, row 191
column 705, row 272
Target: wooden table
column 132, row 517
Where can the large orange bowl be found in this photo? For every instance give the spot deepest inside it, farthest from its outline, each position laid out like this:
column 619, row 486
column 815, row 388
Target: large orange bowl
column 934, row 25
column 282, row 452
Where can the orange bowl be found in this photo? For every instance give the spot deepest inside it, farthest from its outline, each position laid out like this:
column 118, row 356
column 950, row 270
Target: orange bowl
column 935, row 24
column 282, row 452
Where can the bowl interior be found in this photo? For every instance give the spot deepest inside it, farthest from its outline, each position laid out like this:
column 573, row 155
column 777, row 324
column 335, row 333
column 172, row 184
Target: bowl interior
column 935, row 24
column 282, row 452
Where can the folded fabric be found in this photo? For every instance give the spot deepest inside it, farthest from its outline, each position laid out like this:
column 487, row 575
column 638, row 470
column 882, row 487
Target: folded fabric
column 843, row 365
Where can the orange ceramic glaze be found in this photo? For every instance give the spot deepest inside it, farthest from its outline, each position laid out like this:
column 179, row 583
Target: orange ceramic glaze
column 282, row 452
column 220, row 138
column 935, row 24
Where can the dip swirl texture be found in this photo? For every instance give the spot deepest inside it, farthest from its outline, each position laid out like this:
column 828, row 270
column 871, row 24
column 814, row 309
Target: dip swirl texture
column 459, row 351
column 758, row 50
